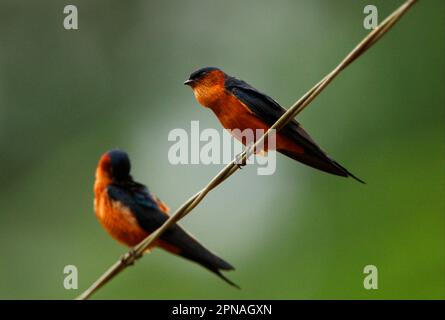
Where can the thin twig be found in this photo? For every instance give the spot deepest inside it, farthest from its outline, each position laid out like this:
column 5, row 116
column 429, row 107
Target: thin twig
column 135, row 253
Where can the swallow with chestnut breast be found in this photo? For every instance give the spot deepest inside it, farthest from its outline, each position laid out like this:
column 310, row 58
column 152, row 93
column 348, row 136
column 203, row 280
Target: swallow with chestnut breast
column 238, row 105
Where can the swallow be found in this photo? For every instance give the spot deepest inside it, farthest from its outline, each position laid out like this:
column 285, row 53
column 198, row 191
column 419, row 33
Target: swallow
column 129, row 212
column 238, row 105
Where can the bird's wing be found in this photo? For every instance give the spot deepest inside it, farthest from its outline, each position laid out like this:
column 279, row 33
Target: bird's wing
column 268, row 110
column 138, row 199
column 162, row 206
column 150, row 215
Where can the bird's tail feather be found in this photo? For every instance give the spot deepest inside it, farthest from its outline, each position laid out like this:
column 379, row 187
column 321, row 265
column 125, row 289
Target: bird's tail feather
column 321, row 162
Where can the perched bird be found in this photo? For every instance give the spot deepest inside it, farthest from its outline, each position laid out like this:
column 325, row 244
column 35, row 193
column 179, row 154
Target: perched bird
column 129, row 212
column 240, row 106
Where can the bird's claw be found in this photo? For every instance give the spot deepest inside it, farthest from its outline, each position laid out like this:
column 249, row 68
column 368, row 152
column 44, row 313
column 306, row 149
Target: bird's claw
column 128, row 258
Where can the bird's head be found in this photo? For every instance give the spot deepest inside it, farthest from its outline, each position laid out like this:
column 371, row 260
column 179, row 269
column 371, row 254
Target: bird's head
column 114, row 165
column 207, row 84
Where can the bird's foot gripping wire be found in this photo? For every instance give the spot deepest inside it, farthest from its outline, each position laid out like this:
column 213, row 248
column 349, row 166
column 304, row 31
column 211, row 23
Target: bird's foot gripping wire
column 128, row 258
column 239, row 160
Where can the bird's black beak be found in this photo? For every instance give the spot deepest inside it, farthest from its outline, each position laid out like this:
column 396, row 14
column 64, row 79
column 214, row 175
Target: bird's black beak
column 188, row 82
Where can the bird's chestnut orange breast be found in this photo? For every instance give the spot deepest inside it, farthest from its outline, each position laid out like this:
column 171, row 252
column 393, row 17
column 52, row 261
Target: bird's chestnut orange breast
column 118, row 220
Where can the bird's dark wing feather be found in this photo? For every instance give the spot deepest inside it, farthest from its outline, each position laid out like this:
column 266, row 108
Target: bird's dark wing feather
column 269, row 111
column 149, row 215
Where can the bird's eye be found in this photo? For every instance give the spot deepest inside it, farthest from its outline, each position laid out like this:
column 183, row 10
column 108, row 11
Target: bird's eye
column 202, row 74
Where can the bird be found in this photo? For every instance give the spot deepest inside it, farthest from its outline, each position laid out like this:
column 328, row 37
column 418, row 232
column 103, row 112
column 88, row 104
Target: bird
column 238, row 105
column 129, row 212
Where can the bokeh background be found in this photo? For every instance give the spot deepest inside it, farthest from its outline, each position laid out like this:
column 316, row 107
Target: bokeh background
column 66, row 97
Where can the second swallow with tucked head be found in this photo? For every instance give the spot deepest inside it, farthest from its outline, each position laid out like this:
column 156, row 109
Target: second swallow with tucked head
column 129, row 212
column 240, row 106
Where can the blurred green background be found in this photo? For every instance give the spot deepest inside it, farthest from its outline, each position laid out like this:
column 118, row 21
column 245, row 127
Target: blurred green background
column 66, row 97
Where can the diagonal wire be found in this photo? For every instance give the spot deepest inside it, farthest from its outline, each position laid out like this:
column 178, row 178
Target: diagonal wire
column 136, row 252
